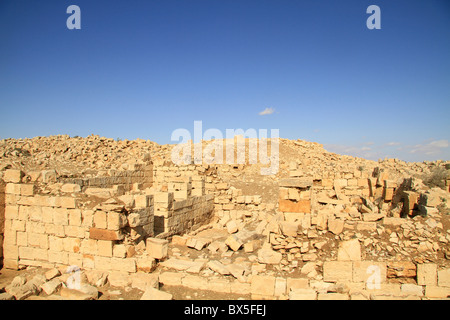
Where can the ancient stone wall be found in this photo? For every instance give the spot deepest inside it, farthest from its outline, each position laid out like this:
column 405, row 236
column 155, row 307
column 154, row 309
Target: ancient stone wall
column 47, row 230
column 103, row 230
column 184, row 215
column 342, row 280
column 199, row 175
column 136, row 174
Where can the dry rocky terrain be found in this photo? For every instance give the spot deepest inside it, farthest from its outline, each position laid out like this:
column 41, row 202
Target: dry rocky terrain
column 321, row 228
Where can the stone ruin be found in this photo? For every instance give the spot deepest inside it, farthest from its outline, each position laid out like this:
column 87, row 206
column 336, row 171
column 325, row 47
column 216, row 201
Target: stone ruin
column 363, row 230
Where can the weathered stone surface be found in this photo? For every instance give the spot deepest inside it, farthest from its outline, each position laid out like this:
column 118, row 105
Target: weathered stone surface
column 393, row 221
column 444, row 278
column 371, row 273
column 145, row 263
column 372, row 216
column 296, row 283
column 234, row 242
column 263, row 285
column 387, row 296
column 13, row 175
column 71, row 188
column 412, row 289
column 338, row 271
column 302, row 183
column 51, row 286
column 294, row 206
column 20, row 290
column 399, row 269
column 437, row 292
column 302, row 294
column 336, row 226
column 427, row 274
column 367, row 226
column 183, row 265
column 171, row 278
column 104, row 234
column 85, row 292
column 119, row 279
column 218, row 267
column 332, row 296
column 232, row 226
column 142, row 280
column 195, row 282
column 6, row 296
column 289, row 228
column 96, row 278
column 157, row 248
column 268, row 256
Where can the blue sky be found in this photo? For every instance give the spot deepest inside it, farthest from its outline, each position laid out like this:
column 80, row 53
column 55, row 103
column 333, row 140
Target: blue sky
column 141, row 69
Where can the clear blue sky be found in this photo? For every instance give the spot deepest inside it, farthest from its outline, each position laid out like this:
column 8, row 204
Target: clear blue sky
column 141, row 69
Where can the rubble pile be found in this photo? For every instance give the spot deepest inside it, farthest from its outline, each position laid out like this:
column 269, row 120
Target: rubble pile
column 98, row 218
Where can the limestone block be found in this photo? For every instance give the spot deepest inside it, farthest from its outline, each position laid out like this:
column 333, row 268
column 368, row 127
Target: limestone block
column 349, row 250
column 296, row 283
column 115, row 220
column 437, row 292
column 74, row 217
column 71, row 188
column 412, row 289
column 263, row 285
column 338, row 271
column 336, row 226
column 302, row 183
column 123, row 264
column 303, row 206
column 13, row 175
column 105, row 248
column 157, row 248
column 427, row 274
column 399, row 269
column 444, row 278
column 100, row 220
column 371, row 273
column 195, row 282
column 171, row 278
column 332, row 295
column 155, row 294
column 145, row 263
column 103, row 234
column 302, row 294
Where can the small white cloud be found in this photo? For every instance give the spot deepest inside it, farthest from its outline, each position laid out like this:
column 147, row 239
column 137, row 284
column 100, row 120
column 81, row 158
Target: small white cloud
column 267, row 111
column 393, row 143
column 431, row 148
column 439, row 143
column 356, row 151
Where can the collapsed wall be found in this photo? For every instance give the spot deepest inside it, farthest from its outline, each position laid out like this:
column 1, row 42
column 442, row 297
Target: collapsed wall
column 350, row 194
